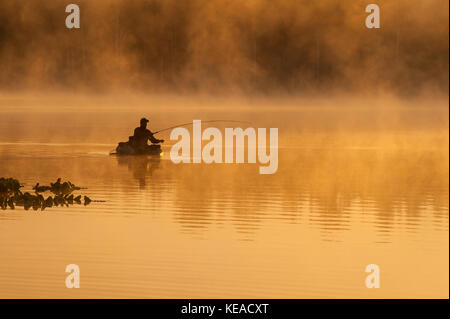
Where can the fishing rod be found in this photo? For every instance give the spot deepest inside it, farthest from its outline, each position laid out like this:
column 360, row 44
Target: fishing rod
column 190, row 123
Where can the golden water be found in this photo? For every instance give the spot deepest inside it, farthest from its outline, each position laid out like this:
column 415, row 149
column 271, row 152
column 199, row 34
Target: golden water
column 355, row 186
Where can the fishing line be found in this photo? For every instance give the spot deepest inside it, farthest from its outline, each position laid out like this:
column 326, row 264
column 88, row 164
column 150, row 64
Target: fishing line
column 191, row 123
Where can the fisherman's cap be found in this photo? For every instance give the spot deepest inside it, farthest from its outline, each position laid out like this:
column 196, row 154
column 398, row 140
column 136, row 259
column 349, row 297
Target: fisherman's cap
column 144, row 120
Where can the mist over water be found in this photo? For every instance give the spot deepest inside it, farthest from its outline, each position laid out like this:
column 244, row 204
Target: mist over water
column 226, row 47
column 355, row 185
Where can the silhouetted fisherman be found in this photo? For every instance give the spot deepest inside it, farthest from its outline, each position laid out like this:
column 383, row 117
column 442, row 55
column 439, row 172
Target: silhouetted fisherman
column 142, row 135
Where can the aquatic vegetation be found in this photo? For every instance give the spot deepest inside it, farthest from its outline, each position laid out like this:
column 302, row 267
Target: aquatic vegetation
column 9, row 186
column 57, row 188
column 11, row 195
column 41, row 189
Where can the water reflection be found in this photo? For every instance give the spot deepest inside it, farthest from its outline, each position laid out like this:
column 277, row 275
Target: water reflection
column 284, row 234
column 354, row 186
column 142, row 166
column 330, row 190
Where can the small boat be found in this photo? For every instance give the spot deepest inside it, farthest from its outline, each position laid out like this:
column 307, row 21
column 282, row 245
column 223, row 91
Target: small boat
column 125, row 148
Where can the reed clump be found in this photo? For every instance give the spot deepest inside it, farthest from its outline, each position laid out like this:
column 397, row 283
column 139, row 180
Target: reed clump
column 12, row 196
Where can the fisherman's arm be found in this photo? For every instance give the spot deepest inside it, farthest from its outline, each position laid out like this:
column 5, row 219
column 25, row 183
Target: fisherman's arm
column 153, row 139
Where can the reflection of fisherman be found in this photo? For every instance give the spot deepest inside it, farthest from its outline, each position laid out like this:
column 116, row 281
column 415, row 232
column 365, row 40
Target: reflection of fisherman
column 142, row 135
column 142, row 167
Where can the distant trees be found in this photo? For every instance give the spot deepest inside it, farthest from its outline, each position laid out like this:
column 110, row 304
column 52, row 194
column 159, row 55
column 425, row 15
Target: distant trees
column 195, row 45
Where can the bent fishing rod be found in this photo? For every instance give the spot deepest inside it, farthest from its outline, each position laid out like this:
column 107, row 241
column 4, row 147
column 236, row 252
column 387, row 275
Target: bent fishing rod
column 190, row 123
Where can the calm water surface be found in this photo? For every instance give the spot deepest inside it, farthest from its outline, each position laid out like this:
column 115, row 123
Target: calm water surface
column 339, row 202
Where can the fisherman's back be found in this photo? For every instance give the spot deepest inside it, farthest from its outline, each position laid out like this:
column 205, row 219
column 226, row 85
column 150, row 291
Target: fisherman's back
column 141, row 135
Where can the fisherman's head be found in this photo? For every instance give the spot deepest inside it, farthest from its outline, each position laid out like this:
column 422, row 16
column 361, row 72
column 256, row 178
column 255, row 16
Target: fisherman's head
column 144, row 122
